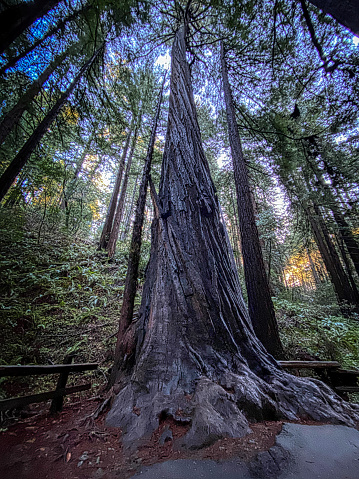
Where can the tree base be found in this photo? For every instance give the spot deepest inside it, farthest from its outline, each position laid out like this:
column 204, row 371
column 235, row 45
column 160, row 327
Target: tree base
column 223, row 408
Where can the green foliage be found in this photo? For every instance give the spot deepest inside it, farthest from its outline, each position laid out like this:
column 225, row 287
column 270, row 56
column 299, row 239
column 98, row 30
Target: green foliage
column 58, row 296
column 319, row 331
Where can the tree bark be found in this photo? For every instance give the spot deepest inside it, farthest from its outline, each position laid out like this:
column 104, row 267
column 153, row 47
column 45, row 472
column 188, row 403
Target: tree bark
column 15, row 19
column 196, row 358
column 124, row 233
column 12, row 118
column 134, row 253
column 313, row 269
column 260, row 305
column 112, row 241
column 344, row 228
column 342, row 287
column 347, row 236
column 24, row 154
column 107, row 227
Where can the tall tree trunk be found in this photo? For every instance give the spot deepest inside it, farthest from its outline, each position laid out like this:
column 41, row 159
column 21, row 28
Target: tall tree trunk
column 260, row 305
column 130, row 210
column 112, row 241
column 12, row 118
column 344, row 228
column 238, row 234
column 342, row 287
column 56, row 28
column 196, row 358
column 313, row 268
column 24, row 154
column 107, row 227
column 16, row 18
column 80, row 162
column 69, row 186
column 123, row 345
column 347, row 236
column 346, row 261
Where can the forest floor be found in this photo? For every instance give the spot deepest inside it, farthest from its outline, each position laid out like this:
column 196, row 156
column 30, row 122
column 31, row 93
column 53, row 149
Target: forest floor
column 72, row 445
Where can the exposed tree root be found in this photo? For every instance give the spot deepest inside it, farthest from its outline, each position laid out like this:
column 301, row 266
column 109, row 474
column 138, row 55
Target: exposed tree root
column 192, row 355
column 222, row 408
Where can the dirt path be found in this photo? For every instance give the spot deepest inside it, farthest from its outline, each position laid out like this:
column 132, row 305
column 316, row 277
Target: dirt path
column 69, row 446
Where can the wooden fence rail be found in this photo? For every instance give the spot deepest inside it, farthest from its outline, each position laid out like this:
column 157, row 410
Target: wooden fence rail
column 57, row 396
column 343, row 381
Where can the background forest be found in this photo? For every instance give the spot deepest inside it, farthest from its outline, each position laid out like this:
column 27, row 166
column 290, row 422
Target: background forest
column 79, row 91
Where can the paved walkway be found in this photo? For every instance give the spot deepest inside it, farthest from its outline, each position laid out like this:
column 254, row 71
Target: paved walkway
column 300, row 452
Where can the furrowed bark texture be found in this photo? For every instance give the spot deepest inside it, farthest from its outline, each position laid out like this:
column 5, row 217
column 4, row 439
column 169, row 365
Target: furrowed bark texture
column 197, row 358
column 11, row 172
column 260, row 305
column 107, row 227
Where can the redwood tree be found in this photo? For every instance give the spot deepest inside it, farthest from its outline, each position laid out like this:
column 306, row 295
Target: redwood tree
column 196, row 358
column 260, row 305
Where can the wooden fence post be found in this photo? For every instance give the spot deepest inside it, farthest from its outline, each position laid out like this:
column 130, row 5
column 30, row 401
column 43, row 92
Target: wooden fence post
column 57, row 402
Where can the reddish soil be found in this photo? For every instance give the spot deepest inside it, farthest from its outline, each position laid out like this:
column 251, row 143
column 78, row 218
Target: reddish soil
column 73, row 446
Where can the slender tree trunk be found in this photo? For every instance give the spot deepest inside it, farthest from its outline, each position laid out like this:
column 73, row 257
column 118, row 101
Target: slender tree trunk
column 112, row 241
column 107, row 227
column 238, row 234
column 130, row 210
column 193, row 357
column 15, row 19
column 134, row 254
column 348, row 269
column 58, row 27
column 80, row 162
column 348, row 237
column 344, row 227
column 342, row 287
column 69, row 186
column 24, row 154
column 12, row 118
column 260, row 305
column 313, row 269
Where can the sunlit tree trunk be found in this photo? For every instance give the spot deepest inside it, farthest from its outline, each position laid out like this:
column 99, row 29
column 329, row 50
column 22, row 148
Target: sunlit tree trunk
column 126, row 228
column 112, row 241
column 107, row 227
column 313, row 268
